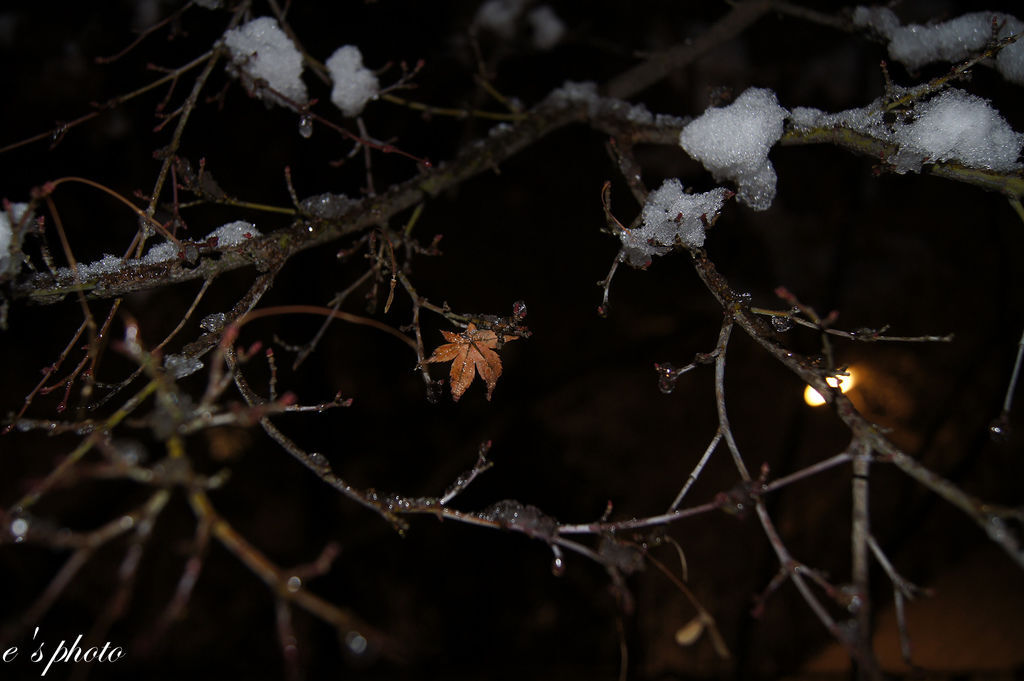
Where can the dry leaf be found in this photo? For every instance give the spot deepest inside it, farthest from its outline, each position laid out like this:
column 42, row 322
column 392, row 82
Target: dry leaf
column 470, row 352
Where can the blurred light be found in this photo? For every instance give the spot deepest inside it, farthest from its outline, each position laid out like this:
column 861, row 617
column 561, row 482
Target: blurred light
column 844, row 383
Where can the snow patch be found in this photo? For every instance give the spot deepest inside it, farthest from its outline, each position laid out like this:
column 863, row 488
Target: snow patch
column 231, row 234
column 733, row 143
column 261, row 51
column 576, row 91
column 572, row 92
column 7, row 222
column 234, row 233
column 161, row 253
column 354, row 84
column 6, row 234
column 108, row 264
column 915, row 45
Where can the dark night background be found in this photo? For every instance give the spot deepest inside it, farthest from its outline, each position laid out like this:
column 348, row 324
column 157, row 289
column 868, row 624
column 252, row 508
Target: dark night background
column 577, row 418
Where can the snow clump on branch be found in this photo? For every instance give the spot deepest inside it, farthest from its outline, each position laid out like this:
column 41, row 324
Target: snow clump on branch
column 733, row 143
column 671, row 218
column 502, row 17
column 267, row 62
column 950, row 126
column 914, row 45
column 547, row 28
column 234, row 233
column 354, row 84
column 957, row 126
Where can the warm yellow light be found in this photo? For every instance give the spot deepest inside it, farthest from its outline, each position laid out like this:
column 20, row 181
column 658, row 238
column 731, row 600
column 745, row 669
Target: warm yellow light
column 844, row 383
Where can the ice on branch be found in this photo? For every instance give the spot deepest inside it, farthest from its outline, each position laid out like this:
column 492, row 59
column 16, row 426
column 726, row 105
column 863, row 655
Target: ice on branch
column 354, row 84
column 267, row 62
column 234, row 233
column 733, row 143
column 869, row 120
column 180, row 366
column 671, row 218
column 328, row 206
column 7, row 222
column 915, row 45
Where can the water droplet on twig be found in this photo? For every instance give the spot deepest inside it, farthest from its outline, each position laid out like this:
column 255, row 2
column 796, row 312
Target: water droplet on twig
column 356, row 642
column 527, row 518
column 18, row 529
column 213, row 323
column 320, row 462
column 667, row 377
column 999, row 429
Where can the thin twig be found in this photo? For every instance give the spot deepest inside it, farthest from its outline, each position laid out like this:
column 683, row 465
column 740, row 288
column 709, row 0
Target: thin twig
column 860, row 532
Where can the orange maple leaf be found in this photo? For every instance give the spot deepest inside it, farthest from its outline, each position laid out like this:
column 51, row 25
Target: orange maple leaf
column 470, row 352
